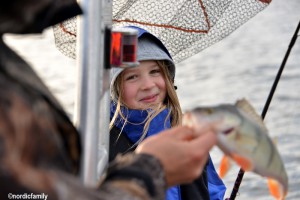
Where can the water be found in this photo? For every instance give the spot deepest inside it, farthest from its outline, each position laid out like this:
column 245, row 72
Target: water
column 245, row 65
column 242, row 65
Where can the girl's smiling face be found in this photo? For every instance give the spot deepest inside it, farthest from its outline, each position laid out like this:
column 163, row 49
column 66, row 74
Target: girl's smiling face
column 144, row 86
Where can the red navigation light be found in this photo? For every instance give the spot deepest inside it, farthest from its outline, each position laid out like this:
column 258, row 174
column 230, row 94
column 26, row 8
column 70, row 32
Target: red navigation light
column 124, row 47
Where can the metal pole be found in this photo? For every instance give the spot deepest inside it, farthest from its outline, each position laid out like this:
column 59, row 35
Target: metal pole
column 91, row 87
column 103, row 147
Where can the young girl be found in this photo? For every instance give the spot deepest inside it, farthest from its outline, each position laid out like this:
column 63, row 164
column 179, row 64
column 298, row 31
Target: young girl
column 143, row 103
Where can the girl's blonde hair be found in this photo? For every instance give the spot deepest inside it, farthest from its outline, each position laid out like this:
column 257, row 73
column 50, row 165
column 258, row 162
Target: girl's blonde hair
column 171, row 102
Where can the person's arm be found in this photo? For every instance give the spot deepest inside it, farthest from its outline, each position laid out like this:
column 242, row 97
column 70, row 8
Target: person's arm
column 174, row 157
column 141, row 176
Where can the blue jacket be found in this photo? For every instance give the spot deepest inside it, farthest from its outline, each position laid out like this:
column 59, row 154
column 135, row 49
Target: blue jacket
column 209, row 185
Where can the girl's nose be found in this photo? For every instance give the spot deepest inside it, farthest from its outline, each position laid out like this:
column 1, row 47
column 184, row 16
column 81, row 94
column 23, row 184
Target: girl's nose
column 147, row 83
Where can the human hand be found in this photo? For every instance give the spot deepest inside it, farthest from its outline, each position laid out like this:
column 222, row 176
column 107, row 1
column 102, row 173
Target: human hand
column 183, row 152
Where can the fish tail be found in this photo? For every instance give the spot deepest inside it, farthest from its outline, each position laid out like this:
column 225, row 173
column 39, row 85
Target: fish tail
column 276, row 189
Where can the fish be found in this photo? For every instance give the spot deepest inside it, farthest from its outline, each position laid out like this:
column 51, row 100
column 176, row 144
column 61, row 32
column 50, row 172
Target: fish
column 244, row 138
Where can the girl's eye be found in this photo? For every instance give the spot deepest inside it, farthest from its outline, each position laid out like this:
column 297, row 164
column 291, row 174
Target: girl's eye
column 155, row 71
column 131, row 77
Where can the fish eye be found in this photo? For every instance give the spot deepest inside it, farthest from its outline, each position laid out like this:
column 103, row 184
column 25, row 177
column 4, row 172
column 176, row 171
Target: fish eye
column 227, row 131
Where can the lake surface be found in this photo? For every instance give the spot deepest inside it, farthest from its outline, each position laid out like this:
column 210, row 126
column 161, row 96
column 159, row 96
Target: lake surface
column 242, row 65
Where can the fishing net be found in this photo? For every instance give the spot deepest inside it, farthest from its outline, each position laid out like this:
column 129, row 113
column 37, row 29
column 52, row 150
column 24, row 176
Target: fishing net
column 186, row 27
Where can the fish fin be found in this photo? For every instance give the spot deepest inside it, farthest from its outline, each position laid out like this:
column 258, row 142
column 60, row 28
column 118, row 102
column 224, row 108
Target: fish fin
column 188, row 119
column 225, row 165
column 245, row 106
column 245, row 163
column 276, row 189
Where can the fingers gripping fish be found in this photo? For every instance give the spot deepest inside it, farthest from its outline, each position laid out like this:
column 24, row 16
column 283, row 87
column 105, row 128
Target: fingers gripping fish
column 243, row 137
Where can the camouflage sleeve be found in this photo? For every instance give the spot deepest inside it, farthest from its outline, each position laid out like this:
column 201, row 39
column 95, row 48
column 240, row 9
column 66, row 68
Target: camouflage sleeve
column 135, row 176
column 130, row 177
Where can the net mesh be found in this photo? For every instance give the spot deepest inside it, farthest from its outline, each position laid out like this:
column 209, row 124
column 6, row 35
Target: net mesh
column 186, row 27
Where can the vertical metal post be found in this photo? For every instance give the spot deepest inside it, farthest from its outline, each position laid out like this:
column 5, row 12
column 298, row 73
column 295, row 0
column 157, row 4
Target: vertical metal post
column 103, row 141
column 93, row 81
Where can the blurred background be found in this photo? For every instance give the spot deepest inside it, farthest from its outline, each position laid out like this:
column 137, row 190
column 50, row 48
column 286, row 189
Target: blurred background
column 243, row 65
